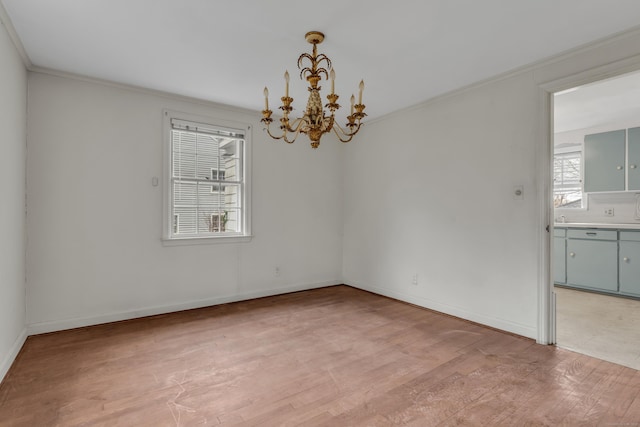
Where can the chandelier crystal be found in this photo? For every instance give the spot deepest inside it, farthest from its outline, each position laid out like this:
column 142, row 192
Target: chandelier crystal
column 315, row 121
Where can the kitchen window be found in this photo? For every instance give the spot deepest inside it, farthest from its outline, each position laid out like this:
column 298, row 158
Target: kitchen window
column 567, row 180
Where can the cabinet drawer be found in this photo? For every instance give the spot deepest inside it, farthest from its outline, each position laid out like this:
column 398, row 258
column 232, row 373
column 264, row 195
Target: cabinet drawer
column 592, row 233
column 633, row 236
column 559, row 232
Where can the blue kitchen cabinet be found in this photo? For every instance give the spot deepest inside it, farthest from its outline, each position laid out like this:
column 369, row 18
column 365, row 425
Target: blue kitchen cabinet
column 604, row 161
column 633, row 159
column 629, row 261
column 592, row 259
column 559, row 256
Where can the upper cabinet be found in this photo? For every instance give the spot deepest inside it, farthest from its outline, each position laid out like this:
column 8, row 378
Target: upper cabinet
column 633, row 159
column 604, row 161
column 612, row 161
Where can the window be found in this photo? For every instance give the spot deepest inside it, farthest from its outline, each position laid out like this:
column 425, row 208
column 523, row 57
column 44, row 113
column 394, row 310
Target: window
column 567, row 180
column 207, row 181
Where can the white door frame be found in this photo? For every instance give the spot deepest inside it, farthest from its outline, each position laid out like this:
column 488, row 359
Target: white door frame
column 544, row 159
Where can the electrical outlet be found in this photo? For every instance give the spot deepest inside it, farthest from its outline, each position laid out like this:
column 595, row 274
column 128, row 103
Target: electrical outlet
column 414, row 280
column 277, row 271
column 608, row 212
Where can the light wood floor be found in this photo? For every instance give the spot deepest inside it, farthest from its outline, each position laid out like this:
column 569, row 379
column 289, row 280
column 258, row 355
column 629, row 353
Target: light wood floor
column 328, row 357
column 599, row 325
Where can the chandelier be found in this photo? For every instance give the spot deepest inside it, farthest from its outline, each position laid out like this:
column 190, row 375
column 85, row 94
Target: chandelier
column 315, row 121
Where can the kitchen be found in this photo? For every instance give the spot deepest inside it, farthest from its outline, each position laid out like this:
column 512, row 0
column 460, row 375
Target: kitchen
column 597, row 219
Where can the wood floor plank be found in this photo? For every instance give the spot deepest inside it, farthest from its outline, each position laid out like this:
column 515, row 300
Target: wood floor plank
column 619, row 399
column 631, row 415
column 335, row 356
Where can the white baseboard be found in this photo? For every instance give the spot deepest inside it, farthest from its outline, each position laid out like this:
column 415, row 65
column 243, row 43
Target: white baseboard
column 8, row 360
column 59, row 325
column 501, row 324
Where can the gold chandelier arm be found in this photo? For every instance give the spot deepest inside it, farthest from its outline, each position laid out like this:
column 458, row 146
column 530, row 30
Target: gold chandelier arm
column 348, row 136
column 295, row 136
column 285, row 132
column 295, row 127
column 297, row 123
column 272, row 135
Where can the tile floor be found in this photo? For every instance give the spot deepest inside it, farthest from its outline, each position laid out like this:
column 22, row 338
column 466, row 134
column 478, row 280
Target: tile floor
column 598, row 325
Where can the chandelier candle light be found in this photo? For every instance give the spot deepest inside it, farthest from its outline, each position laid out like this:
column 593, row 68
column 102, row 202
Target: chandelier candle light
column 314, row 123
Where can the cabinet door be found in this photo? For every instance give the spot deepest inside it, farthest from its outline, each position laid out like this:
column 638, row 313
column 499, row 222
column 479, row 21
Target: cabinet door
column 604, row 161
column 593, row 264
column 633, row 159
column 559, row 260
column 630, row 267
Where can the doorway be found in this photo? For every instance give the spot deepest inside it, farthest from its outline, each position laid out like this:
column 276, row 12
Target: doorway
column 592, row 309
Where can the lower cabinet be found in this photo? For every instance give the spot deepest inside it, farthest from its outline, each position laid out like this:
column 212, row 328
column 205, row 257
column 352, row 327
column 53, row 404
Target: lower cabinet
column 559, row 256
column 592, row 259
column 606, row 260
column 629, row 263
column 593, row 264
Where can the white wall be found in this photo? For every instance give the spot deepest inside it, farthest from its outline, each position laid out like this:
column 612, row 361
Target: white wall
column 444, row 208
column 13, row 120
column 94, row 220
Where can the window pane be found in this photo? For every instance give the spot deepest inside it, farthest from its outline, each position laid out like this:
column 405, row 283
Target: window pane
column 185, row 193
column 230, row 159
column 186, row 219
column 567, row 182
column 209, row 196
column 184, row 142
column 233, row 220
column 231, row 196
column 184, row 165
column 208, row 156
column 211, row 220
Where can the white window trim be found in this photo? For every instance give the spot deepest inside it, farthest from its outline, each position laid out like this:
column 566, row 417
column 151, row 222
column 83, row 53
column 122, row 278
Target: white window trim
column 168, row 239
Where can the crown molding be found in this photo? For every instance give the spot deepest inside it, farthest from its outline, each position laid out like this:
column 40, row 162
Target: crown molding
column 13, row 35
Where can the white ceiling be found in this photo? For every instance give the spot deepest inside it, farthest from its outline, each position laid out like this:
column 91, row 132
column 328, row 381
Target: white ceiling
column 407, row 51
column 611, row 101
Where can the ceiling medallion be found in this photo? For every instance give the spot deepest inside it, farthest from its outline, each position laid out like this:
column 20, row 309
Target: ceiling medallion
column 314, row 123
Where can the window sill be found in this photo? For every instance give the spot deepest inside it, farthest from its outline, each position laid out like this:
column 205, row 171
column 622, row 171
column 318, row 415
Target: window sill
column 569, row 210
column 189, row 241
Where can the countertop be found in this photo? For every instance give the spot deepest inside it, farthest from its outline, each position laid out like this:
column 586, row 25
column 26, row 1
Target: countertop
column 626, row 226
